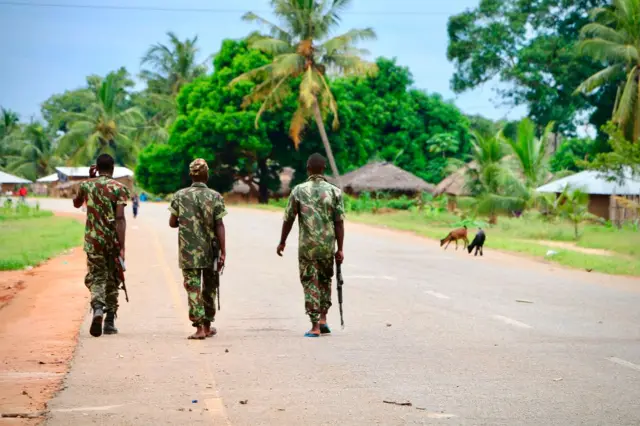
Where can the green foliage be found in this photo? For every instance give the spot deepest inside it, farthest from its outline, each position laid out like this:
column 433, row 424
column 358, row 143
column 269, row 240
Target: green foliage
column 625, row 155
column 530, row 152
column 212, row 124
column 530, row 46
column 571, row 152
column 574, row 206
column 34, row 152
column 613, row 40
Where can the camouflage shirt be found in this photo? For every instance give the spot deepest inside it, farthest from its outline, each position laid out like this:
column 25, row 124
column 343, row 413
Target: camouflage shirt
column 318, row 205
column 197, row 208
column 103, row 194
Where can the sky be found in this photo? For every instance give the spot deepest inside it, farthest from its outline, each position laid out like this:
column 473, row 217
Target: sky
column 49, row 49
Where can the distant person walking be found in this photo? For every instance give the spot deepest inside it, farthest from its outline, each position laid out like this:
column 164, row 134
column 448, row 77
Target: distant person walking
column 22, row 192
column 320, row 210
column 135, row 200
column 104, row 240
column 197, row 212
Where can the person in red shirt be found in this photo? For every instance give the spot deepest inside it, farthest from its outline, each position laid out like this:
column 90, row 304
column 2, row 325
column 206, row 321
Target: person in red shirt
column 22, row 192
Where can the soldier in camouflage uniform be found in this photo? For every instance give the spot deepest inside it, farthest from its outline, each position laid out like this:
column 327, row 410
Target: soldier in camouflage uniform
column 320, row 210
column 198, row 211
column 105, row 199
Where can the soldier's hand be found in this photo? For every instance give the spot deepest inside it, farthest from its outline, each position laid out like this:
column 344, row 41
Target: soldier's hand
column 122, row 254
column 93, row 171
column 339, row 257
column 221, row 260
column 280, row 249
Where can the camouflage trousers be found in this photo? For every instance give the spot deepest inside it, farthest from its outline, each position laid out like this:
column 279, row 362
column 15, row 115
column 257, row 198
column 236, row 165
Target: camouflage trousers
column 201, row 294
column 316, row 276
column 101, row 281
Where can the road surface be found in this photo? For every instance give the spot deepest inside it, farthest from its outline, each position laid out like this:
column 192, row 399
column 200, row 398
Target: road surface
column 452, row 334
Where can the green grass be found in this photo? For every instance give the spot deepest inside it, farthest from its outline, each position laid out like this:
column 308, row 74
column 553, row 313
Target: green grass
column 524, row 236
column 28, row 241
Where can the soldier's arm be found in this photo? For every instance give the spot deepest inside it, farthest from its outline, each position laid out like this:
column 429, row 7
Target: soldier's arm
column 121, row 227
column 219, row 212
column 289, row 219
column 78, row 201
column 174, row 208
column 338, row 221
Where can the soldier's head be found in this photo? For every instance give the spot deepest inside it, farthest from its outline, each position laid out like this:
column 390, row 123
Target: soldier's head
column 199, row 170
column 105, row 164
column 316, row 164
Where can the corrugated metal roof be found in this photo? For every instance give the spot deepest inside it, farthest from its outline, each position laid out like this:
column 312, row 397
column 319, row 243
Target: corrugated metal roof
column 47, row 179
column 118, row 172
column 594, row 182
column 7, row 178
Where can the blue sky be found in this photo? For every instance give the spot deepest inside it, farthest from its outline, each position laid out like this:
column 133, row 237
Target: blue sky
column 48, row 50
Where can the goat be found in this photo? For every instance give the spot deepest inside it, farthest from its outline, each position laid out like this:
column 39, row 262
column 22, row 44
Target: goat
column 455, row 235
column 478, row 243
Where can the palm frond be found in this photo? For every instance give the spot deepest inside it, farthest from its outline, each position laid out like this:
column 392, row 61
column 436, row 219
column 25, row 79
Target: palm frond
column 628, row 101
column 599, row 79
column 347, row 40
column 605, row 50
column 299, row 123
column 272, row 46
column 274, row 30
column 597, row 30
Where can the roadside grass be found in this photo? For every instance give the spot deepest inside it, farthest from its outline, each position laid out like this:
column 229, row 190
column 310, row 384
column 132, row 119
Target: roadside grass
column 524, row 235
column 29, row 238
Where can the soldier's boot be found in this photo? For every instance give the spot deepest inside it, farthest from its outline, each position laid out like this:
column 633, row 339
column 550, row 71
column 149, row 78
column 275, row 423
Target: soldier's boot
column 109, row 324
column 96, row 323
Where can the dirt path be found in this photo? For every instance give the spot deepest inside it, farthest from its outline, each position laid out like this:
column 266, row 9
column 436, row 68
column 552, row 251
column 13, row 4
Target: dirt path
column 40, row 314
column 573, row 247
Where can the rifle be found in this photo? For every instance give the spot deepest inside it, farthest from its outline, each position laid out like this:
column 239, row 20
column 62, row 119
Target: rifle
column 120, row 268
column 216, row 273
column 340, row 284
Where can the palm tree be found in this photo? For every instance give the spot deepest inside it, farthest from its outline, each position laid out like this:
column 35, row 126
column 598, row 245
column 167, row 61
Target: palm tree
column 103, row 128
column 530, row 152
column 8, row 125
column 491, row 180
column 614, row 39
column 172, row 66
column 36, row 155
column 301, row 48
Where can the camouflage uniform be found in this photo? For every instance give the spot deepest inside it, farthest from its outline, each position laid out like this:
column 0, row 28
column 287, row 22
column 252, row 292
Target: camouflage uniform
column 103, row 194
column 197, row 209
column 318, row 205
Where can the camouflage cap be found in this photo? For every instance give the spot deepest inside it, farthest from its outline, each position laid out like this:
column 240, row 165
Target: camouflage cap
column 198, row 166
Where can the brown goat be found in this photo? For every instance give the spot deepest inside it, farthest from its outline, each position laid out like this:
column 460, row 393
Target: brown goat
column 455, row 235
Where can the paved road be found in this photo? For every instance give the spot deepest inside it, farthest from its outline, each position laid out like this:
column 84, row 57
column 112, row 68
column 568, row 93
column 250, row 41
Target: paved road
column 439, row 329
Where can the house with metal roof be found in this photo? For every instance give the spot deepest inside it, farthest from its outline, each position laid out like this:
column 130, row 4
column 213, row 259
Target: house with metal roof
column 9, row 182
column 601, row 187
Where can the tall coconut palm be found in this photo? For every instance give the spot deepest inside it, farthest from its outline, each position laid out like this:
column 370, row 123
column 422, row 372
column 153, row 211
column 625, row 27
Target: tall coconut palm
column 172, row 65
column 301, row 48
column 530, row 152
column 36, row 154
column 103, row 128
column 614, row 39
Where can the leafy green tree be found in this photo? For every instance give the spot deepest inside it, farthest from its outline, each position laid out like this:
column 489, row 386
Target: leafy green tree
column 613, row 40
column 530, row 152
column 36, row 156
column 302, row 52
column 57, row 108
column 571, row 153
column 105, row 127
column 530, row 46
column 212, row 124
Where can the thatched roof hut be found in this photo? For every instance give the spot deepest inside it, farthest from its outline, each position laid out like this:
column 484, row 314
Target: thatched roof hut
column 383, row 177
column 456, row 183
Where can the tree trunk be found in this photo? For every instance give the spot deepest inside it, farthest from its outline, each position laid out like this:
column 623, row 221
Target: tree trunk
column 325, row 142
column 636, row 117
column 263, row 175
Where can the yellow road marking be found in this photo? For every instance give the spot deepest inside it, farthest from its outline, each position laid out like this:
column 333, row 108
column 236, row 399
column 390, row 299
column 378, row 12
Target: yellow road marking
column 214, row 405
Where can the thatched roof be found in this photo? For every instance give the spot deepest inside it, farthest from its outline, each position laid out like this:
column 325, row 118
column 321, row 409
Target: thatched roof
column 456, row 182
column 383, row 177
